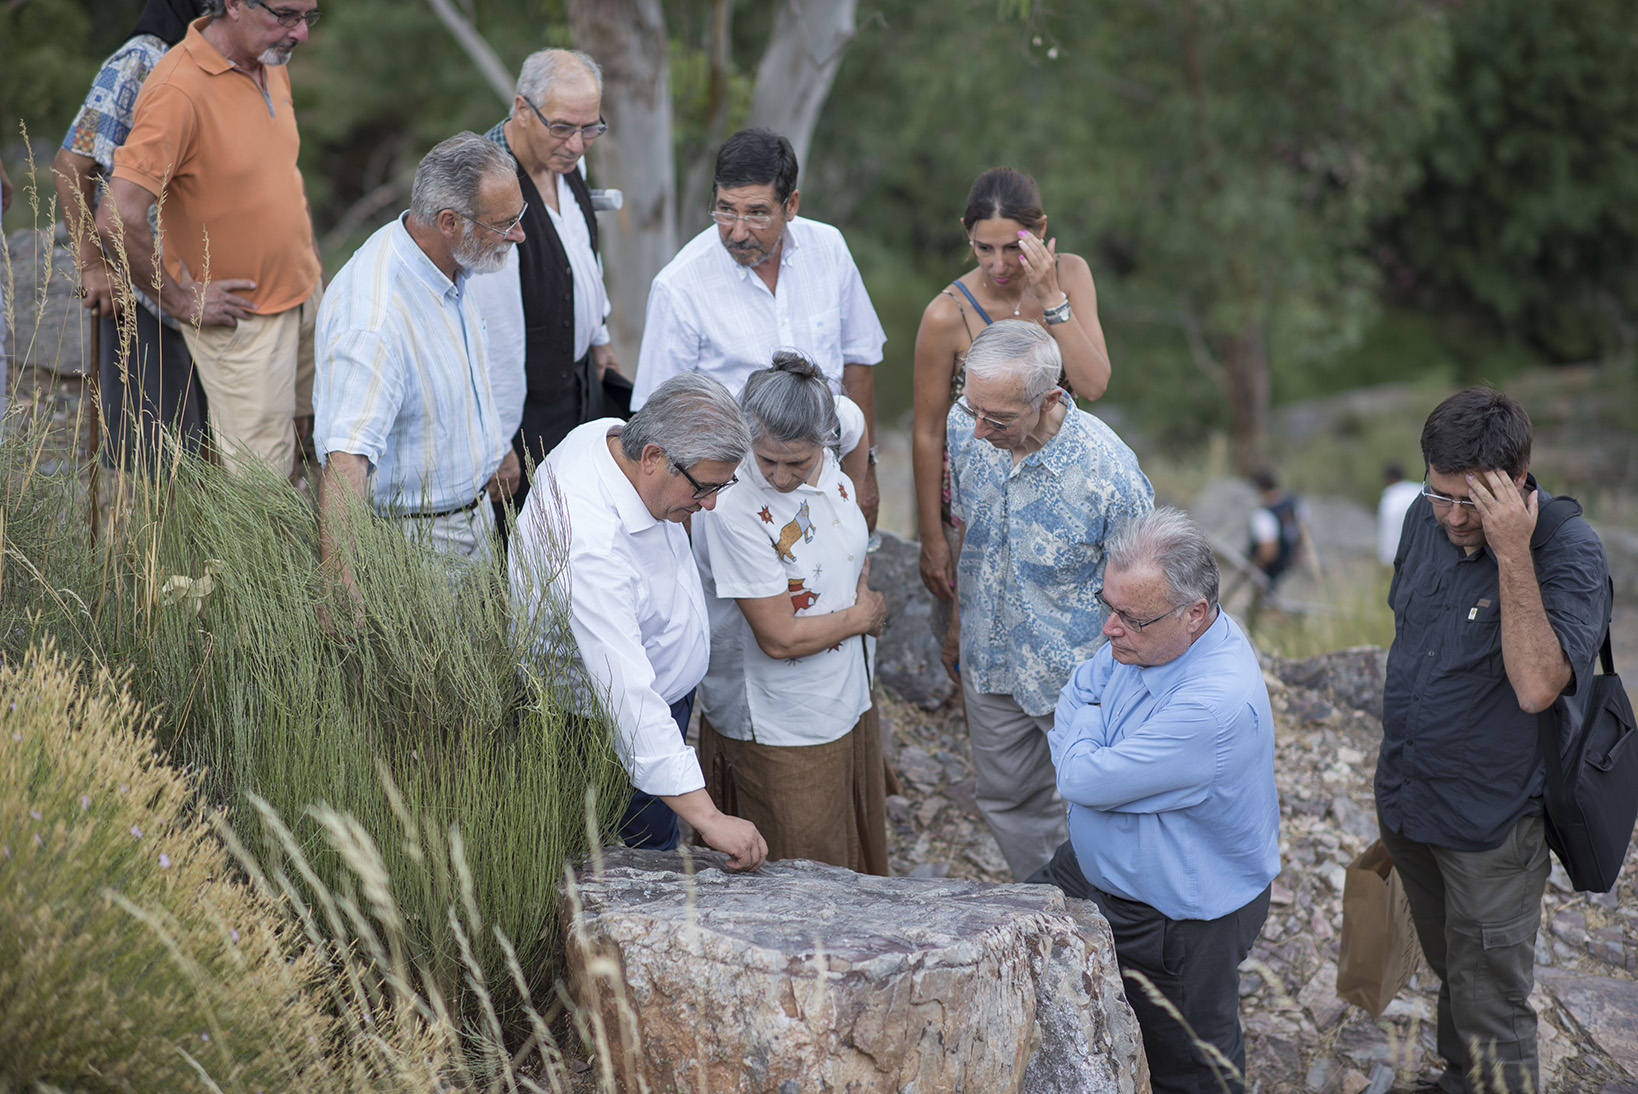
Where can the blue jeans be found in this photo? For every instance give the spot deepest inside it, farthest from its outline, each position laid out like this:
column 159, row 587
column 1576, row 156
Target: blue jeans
column 648, row 821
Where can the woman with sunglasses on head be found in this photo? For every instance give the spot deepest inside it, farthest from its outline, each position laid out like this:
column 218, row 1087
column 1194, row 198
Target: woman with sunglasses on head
column 1019, row 275
column 789, row 739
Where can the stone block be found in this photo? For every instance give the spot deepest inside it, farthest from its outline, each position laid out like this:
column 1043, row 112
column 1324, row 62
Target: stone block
column 810, row 977
column 907, row 656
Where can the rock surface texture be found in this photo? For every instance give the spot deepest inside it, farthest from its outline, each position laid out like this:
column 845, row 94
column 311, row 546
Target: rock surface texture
column 805, row 977
column 907, row 656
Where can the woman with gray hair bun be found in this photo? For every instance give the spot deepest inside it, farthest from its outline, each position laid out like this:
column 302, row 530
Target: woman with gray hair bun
column 789, row 738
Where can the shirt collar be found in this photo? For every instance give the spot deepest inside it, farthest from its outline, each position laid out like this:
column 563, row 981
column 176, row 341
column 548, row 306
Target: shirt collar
column 424, row 269
column 210, row 59
column 628, row 503
column 1161, row 678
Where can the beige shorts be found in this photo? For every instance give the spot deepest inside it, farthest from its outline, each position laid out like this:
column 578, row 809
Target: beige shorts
column 258, row 378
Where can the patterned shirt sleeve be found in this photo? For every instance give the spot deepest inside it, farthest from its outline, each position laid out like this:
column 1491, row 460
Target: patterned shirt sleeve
column 104, row 120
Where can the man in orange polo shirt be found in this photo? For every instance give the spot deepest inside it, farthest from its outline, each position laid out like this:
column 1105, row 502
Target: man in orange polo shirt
column 215, row 134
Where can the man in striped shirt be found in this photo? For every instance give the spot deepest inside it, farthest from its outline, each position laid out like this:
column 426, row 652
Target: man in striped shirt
column 405, row 417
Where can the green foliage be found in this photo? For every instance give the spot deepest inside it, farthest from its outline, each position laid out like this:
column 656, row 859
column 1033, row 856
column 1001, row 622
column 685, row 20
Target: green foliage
column 204, row 588
column 133, row 959
column 1220, row 165
column 45, row 67
column 1530, row 204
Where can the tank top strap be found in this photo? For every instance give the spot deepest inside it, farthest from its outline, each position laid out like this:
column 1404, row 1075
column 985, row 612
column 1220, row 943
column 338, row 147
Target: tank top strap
column 973, row 300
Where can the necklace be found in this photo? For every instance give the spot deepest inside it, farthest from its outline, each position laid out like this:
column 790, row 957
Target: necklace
column 996, row 289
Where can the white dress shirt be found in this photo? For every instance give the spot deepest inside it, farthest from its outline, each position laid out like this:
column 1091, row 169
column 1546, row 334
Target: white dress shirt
column 808, row 544
column 499, row 297
column 707, row 313
column 635, row 606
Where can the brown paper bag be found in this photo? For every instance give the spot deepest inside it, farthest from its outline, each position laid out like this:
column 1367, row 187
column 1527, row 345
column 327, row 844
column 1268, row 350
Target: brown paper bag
column 1379, row 946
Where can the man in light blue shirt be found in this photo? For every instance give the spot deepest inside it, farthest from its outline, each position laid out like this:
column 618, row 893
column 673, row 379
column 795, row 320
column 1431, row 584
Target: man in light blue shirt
column 405, row 417
column 1038, row 485
column 1164, row 747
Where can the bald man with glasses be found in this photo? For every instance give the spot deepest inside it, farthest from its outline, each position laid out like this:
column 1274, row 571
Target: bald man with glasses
column 1038, row 485
column 546, row 308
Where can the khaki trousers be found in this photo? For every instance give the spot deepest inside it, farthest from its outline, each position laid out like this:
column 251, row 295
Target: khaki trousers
column 1017, row 784
column 258, row 378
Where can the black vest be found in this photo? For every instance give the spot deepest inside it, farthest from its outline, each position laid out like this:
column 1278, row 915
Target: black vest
column 561, row 392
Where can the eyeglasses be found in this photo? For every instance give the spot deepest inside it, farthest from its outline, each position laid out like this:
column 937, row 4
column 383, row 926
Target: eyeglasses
column 994, row 423
column 503, row 232
column 755, row 221
column 1443, row 502
column 703, row 490
column 1129, row 621
column 285, row 16
column 564, row 130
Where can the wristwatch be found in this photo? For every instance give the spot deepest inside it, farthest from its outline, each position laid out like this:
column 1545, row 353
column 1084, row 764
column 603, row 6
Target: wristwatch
column 1058, row 313
column 870, row 455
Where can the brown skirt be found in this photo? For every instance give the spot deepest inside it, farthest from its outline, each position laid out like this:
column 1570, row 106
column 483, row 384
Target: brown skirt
column 821, row 802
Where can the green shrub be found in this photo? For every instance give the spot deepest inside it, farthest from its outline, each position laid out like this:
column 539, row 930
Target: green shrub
column 132, row 959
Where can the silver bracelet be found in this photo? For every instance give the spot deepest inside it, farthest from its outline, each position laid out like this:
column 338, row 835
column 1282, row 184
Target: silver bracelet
column 1058, row 313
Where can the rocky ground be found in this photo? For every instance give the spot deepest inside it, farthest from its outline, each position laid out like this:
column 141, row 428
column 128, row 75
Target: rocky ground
column 1299, row 1035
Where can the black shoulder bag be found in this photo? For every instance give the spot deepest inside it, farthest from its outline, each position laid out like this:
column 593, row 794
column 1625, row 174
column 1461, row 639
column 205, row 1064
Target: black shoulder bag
column 1591, row 797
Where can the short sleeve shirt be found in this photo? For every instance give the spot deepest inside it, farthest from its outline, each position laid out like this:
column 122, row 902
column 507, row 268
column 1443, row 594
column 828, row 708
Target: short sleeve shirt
column 104, row 120
column 808, row 544
column 1032, row 557
column 1460, row 762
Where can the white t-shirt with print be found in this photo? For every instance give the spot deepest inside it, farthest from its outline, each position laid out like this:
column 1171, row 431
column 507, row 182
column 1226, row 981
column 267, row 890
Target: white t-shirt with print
column 808, row 544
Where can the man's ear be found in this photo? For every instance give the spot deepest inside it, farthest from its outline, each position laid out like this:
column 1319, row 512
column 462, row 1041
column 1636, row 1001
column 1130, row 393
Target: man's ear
column 792, row 203
column 1520, row 479
column 653, row 458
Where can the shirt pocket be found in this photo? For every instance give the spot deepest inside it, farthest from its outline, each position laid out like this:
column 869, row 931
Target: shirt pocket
column 1475, row 634
column 825, row 339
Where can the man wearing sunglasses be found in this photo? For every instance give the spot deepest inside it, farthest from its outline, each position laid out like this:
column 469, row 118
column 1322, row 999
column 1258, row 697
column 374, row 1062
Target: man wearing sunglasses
column 759, row 278
column 405, row 417
column 1038, row 485
column 1487, row 632
column 1164, row 748
column 549, row 349
column 215, row 133
column 604, row 545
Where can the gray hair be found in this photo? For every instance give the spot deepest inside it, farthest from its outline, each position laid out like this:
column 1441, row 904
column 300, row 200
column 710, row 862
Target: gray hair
column 546, row 67
column 213, row 8
column 791, row 402
column 693, row 418
column 451, row 175
column 1017, row 349
column 1170, row 541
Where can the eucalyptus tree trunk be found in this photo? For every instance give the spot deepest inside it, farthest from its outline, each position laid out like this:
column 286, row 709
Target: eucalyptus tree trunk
column 798, row 67
column 628, row 38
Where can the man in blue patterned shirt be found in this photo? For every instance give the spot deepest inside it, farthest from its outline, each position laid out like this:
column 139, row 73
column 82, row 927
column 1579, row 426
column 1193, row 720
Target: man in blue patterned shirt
column 1038, row 485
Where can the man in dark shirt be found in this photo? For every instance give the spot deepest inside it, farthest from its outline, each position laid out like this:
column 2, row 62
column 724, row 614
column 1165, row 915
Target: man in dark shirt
column 1487, row 633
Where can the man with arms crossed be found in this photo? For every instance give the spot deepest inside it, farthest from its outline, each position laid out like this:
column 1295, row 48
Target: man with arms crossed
column 1038, row 485
column 215, row 133
column 1164, row 745
column 764, row 279
column 1487, row 633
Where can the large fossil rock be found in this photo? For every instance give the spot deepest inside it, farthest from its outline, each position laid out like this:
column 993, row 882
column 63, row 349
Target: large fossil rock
column 805, row 977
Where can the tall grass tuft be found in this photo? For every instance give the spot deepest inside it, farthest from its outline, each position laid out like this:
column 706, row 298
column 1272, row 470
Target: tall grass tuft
column 440, row 711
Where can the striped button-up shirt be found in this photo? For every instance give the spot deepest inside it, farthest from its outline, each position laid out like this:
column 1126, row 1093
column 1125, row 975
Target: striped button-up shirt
column 402, row 378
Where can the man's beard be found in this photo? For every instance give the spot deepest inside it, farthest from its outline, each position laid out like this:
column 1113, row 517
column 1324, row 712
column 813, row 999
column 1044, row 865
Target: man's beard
column 750, row 253
column 277, row 55
column 476, row 257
